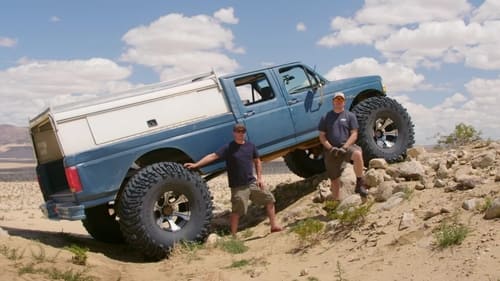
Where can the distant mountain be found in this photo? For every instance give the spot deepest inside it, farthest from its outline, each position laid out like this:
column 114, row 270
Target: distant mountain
column 10, row 134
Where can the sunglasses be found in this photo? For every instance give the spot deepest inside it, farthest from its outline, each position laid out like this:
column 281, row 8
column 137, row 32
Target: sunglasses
column 240, row 131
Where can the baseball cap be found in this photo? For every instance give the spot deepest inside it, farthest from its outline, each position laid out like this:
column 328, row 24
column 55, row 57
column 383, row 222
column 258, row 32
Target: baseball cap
column 339, row 94
column 239, row 127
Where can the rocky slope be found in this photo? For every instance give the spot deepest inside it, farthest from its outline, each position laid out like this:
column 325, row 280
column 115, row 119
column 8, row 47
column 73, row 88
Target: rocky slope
column 411, row 202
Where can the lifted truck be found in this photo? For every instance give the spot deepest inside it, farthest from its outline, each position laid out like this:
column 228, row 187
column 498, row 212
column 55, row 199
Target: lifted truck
column 116, row 162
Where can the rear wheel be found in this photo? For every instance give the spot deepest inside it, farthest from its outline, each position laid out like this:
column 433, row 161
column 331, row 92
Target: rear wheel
column 101, row 223
column 385, row 129
column 305, row 163
column 163, row 204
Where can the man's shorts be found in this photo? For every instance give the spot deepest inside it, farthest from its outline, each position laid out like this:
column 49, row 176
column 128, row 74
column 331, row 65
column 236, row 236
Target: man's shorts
column 241, row 194
column 334, row 164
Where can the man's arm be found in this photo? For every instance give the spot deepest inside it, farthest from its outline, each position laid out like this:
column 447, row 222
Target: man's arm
column 322, row 138
column 258, row 170
column 203, row 161
column 352, row 138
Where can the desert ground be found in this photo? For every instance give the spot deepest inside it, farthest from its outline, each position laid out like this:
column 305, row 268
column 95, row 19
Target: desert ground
column 393, row 241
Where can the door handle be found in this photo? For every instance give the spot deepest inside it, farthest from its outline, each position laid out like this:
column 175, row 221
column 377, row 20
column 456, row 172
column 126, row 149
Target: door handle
column 249, row 113
column 293, row 101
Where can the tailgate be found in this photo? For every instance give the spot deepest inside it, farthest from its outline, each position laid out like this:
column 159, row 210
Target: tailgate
column 50, row 167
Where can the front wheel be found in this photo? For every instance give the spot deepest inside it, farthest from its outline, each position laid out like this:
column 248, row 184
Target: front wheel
column 385, row 129
column 162, row 204
column 305, row 163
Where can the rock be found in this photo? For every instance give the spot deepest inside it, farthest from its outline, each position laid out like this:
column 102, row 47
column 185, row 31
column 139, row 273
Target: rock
column 494, row 210
column 332, row 225
column 212, row 240
column 463, row 171
column 374, row 177
column 407, row 220
column 406, row 186
column 415, row 152
column 451, row 158
column 471, row 204
column 468, row 182
column 411, row 170
column 439, row 183
column 442, row 172
column 378, row 163
column 419, row 186
column 484, row 160
column 392, row 202
column 350, row 201
column 384, row 191
column 497, row 176
column 462, row 154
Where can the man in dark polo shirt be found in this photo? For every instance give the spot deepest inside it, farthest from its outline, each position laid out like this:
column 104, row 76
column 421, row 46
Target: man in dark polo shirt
column 338, row 132
column 241, row 156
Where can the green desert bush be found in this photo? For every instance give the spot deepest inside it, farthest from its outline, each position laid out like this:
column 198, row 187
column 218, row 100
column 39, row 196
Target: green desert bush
column 308, row 230
column 353, row 216
column 79, row 254
column 450, row 233
column 462, row 135
column 232, row 246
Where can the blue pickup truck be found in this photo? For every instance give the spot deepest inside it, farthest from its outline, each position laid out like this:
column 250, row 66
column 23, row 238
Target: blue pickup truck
column 115, row 162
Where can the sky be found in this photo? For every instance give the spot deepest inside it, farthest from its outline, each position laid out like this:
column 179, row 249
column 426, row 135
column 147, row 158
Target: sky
column 439, row 59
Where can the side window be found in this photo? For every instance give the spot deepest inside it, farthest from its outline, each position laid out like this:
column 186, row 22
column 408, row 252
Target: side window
column 254, row 88
column 296, row 79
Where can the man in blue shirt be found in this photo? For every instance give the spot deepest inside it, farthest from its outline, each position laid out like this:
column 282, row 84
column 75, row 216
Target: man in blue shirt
column 240, row 156
column 338, row 132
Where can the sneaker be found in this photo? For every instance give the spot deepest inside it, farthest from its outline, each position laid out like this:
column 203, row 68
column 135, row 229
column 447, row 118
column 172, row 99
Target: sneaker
column 361, row 190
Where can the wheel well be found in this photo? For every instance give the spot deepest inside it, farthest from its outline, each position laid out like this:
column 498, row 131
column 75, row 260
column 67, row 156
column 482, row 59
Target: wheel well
column 364, row 95
column 161, row 155
column 155, row 156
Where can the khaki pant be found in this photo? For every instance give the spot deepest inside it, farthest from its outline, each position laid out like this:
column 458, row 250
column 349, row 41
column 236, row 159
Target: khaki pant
column 242, row 194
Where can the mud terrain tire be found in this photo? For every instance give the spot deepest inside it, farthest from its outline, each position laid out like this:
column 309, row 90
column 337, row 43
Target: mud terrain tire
column 304, row 163
column 393, row 123
column 162, row 204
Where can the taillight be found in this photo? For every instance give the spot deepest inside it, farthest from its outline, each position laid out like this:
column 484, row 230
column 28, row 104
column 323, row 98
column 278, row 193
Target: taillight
column 73, row 179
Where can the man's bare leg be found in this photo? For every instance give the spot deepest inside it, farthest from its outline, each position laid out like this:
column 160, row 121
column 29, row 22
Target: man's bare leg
column 271, row 213
column 234, row 220
column 335, row 188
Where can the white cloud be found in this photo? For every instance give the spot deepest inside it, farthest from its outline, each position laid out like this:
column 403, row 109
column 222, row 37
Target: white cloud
column 300, row 27
column 438, row 41
column 487, row 11
column 347, row 31
column 397, row 77
column 175, row 44
column 484, row 57
column 397, row 12
column 423, row 32
column 226, row 16
column 54, row 19
column 478, row 109
column 29, row 87
column 7, row 42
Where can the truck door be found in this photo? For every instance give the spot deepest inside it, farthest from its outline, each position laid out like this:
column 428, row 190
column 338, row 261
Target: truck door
column 305, row 99
column 262, row 109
